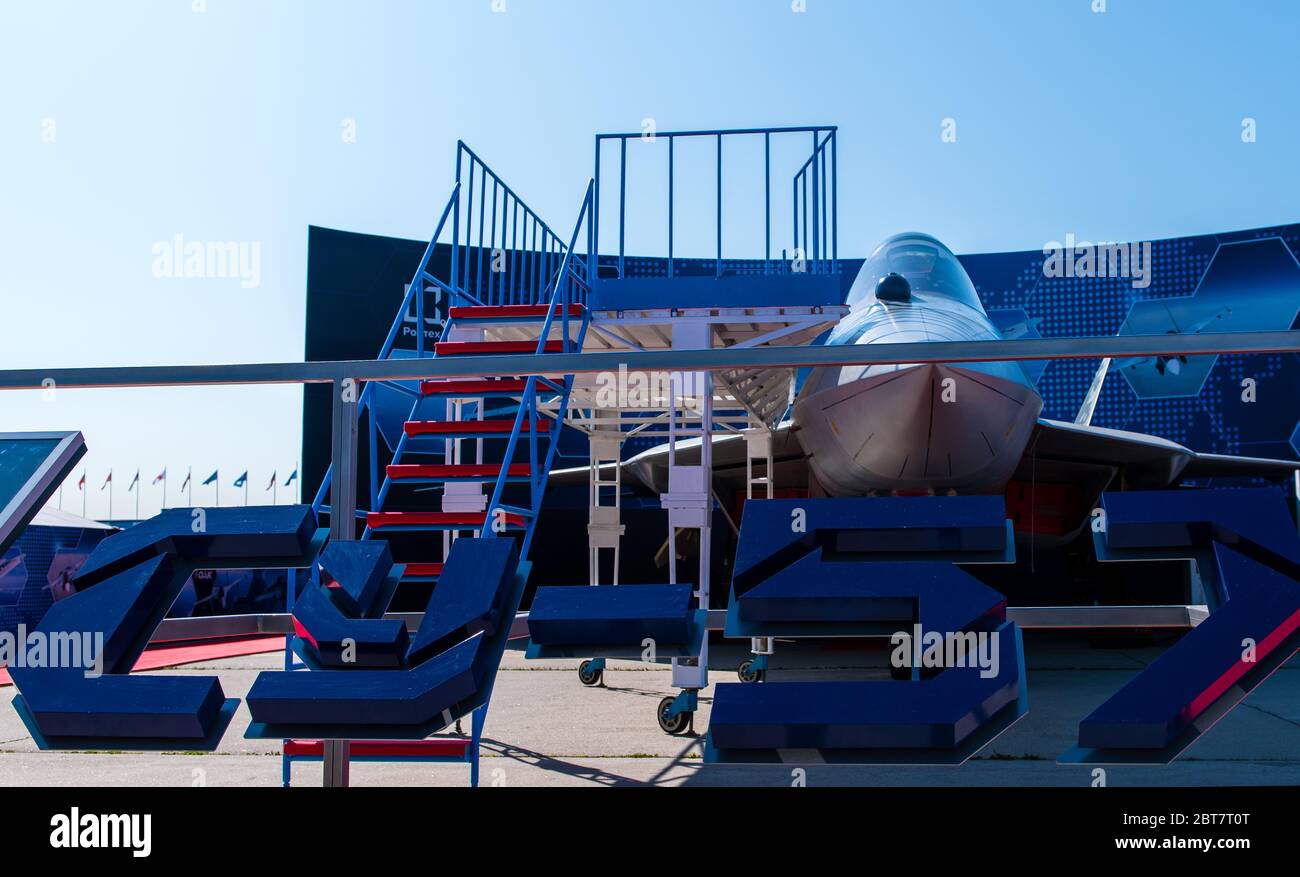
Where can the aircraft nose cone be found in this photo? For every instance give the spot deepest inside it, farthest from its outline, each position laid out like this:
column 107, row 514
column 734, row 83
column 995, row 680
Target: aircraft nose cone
column 931, row 426
column 893, row 287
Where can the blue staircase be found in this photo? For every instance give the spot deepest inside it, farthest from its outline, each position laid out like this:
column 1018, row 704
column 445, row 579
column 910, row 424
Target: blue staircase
column 514, row 287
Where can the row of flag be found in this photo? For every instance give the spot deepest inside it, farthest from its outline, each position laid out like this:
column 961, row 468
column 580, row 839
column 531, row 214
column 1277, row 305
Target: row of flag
column 213, row 479
column 241, row 481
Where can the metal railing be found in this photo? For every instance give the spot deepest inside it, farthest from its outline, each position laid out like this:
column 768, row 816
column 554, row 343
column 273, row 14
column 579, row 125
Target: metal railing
column 571, row 283
column 715, row 359
column 815, row 185
column 504, row 241
column 815, row 191
column 503, row 253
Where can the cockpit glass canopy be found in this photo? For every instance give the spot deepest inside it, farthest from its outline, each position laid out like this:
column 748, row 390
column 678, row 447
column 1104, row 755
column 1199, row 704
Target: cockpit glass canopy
column 929, row 266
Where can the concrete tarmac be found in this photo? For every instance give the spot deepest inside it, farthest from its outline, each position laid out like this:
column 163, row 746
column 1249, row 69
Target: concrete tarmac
column 545, row 728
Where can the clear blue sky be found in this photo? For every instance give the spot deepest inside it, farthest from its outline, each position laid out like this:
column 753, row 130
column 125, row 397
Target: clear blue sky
column 226, row 125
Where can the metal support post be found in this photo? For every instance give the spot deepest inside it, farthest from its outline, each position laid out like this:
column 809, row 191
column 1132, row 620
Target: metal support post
column 343, row 526
column 689, row 500
column 604, row 528
column 758, row 446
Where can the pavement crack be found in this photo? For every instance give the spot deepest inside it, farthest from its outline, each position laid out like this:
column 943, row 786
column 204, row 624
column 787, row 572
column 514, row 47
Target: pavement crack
column 1287, row 719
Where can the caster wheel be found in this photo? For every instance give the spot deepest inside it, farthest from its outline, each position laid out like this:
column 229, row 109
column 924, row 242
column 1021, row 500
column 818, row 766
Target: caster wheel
column 746, row 672
column 678, row 724
column 589, row 675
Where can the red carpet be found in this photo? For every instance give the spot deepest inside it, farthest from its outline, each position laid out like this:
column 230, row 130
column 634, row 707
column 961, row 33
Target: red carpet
column 173, row 656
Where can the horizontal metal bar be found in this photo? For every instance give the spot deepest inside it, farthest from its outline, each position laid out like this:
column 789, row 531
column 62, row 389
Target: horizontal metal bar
column 222, row 626
column 1028, row 617
column 1115, row 346
column 1065, row 617
column 802, row 129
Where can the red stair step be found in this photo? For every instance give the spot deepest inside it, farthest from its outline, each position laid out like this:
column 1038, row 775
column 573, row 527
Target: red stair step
column 423, row 569
column 470, row 470
column 471, row 348
column 434, row 519
column 518, row 312
column 471, row 387
column 437, row 748
column 470, row 427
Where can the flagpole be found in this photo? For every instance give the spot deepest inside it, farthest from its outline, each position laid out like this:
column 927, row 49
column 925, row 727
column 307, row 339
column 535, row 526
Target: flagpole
column 84, row 493
column 189, row 482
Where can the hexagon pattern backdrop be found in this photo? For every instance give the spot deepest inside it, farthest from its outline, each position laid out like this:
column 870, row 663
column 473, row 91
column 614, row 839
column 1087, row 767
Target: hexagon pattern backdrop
column 1238, row 281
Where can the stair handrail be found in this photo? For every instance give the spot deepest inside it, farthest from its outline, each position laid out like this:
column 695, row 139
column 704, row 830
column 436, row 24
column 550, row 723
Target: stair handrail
column 562, row 285
column 532, row 259
column 527, row 405
column 817, row 179
column 454, row 290
column 416, row 285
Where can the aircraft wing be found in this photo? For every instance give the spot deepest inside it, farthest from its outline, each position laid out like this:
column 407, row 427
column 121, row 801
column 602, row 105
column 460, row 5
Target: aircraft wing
column 649, row 469
column 1091, row 454
column 1142, row 461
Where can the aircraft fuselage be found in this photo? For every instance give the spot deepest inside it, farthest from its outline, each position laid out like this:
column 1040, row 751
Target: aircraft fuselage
column 914, row 427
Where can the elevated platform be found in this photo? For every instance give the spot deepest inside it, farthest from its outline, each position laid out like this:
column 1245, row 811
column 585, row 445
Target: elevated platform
column 742, row 397
column 729, row 291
